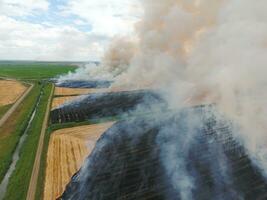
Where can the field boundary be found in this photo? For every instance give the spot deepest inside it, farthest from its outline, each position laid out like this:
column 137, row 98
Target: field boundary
column 15, row 105
column 35, row 171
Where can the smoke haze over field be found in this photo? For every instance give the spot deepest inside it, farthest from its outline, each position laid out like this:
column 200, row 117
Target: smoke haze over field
column 115, row 61
column 200, row 51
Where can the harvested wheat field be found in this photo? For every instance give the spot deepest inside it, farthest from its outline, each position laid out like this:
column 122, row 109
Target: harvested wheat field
column 67, row 150
column 59, row 101
column 10, row 91
column 67, row 93
column 61, row 91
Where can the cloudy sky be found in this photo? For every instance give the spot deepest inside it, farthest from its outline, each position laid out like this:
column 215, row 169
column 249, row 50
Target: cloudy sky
column 67, row 30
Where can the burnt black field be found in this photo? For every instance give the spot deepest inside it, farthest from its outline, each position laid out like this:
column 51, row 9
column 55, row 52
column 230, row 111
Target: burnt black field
column 85, row 84
column 96, row 106
column 154, row 157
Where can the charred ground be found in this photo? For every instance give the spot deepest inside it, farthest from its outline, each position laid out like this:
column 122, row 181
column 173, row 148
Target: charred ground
column 85, row 84
column 149, row 158
column 96, row 106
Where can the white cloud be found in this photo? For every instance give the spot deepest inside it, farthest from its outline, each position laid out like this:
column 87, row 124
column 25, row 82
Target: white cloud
column 22, row 7
column 22, row 40
column 80, row 22
column 48, row 40
column 107, row 17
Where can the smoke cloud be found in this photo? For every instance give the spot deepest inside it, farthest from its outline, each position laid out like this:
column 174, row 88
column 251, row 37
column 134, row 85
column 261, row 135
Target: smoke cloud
column 201, row 52
column 208, row 51
column 115, row 61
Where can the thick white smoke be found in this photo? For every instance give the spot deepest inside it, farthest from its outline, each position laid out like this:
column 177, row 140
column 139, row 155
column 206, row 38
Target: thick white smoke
column 198, row 52
column 208, row 51
column 115, row 61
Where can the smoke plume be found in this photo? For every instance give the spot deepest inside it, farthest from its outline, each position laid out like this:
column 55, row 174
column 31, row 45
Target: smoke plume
column 115, row 61
column 207, row 51
column 201, row 52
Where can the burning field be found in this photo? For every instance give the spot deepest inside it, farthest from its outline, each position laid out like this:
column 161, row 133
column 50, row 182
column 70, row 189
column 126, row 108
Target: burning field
column 67, row 150
column 61, row 101
column 103, row 105
column 199, row 131
column 172, row 108
column 189, row 153
column 157, row 158
column 10, row 91
column 64, row 91
column 66, row 95
column 84, row 84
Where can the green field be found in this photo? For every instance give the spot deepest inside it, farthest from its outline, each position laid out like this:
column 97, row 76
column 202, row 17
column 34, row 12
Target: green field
column 34, row 71
column 19, row 181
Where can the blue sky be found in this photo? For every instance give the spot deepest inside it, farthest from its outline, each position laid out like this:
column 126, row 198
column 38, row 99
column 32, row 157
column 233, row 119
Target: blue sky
column 63, row 29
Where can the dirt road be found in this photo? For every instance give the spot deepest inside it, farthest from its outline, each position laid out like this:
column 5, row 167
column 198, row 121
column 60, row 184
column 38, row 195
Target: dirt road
column 15, row 105
column 36, row 166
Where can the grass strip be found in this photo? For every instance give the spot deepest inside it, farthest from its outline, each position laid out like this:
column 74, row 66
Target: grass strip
column 20, row 179
column 4, row 109
column 14, row 127
column 41, row 177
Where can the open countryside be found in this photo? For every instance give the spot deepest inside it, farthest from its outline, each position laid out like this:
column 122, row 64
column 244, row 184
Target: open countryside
column 133, row 100
column 25, row 99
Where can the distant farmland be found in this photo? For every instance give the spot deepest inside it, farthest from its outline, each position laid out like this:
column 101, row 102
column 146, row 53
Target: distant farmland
column 34, row 70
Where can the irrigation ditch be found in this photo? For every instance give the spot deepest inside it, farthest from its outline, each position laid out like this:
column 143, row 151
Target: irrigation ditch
column 16, row 154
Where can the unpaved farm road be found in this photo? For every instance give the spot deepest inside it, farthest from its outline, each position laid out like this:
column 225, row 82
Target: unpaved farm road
column 15, row 105
column 36, row 166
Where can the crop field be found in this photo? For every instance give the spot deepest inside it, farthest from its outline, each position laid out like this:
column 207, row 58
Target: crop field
column 65, row 95
column 96, row 106
column 59, row 101
column 10, row 91
column 65, row 91
column 34, row 71
column 67, row 150
column 61, row 91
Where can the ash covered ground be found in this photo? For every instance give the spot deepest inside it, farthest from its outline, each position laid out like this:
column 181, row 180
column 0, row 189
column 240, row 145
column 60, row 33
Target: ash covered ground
column 166, row 157
column 194, row 51
column 96, row 106
column 84, row 84
column 190, row 153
